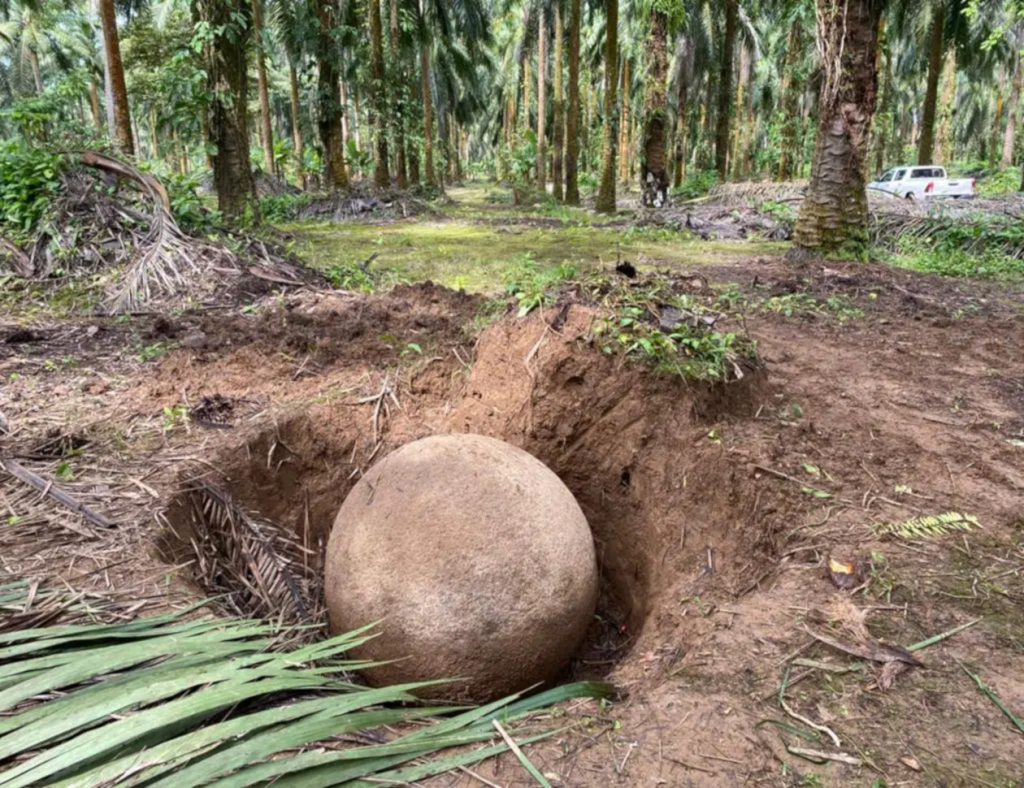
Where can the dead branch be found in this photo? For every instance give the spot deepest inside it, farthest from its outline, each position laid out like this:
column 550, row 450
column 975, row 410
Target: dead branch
column 48, row 488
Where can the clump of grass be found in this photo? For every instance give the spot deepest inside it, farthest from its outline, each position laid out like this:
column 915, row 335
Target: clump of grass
column 532, row 284
column 946, row 259
column 805, row 305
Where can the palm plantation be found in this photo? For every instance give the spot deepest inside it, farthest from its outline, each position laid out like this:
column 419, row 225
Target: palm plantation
column 741, row 281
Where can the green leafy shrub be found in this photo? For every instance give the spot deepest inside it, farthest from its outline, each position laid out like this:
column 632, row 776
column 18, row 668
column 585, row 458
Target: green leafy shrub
column 187, row 206
column 284, row 207
column 29, row 182
column 697, row 184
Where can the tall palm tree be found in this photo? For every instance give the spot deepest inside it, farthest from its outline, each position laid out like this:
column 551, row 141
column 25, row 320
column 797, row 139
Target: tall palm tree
column 266, row 129
column 725, row 96
column 115, row 73
column 572, row 120
column 558, row 126
column 328, row 95
column 379, row 97
column 654, row 179
column 398, row 116
column 606, row 192
column 228, row 83
column 542, row 94
column 834, row 214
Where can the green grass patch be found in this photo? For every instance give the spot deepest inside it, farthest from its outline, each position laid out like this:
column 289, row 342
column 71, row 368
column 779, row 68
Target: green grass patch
column 957, row 263
column 478, row 257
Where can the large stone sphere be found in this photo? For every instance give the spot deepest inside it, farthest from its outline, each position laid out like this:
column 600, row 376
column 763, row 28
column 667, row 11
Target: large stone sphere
column 477, row 560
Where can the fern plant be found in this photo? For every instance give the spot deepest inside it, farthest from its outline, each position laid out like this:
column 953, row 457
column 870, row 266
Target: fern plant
column 928, row 526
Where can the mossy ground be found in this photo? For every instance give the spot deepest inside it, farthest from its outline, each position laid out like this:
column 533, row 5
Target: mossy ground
column 481, row 236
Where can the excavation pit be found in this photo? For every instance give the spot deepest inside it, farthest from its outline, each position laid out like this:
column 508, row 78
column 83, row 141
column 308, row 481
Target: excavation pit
column 671, row 513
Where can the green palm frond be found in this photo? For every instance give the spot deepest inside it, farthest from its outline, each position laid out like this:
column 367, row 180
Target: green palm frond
column 164, row 701
column 928, row 526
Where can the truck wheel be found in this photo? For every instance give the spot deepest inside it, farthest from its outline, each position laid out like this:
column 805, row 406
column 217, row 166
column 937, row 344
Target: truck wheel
column 909, row 196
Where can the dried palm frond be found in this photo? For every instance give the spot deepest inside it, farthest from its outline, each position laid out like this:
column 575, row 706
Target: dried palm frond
column 256, row 567
column 28, row 604
column 166, row 702
column 928, row 526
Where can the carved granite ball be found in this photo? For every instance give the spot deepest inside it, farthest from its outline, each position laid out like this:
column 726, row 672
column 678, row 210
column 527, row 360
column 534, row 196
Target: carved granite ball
column 477, row 560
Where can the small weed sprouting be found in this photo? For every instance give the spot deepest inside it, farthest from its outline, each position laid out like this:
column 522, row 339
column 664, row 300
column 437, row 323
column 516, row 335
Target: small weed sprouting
column 532, row 284
column 806, row 305
column 153, row 352
column 175, row 417
column 351, row 276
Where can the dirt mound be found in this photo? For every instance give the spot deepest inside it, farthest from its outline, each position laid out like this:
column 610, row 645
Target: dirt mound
column 334, row 327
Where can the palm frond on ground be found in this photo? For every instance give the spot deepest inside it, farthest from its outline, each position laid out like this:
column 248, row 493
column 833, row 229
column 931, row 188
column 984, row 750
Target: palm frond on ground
column 163, row 701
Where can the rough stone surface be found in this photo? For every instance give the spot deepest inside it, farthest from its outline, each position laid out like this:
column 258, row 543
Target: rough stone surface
column 476, row 557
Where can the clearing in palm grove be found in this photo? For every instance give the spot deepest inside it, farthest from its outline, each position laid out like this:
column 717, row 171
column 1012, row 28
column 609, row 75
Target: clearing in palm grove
column 512, row 393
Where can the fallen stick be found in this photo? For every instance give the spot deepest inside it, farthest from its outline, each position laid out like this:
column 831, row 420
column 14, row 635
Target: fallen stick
column 527, row 764
column 51, row 490
column 821, row 756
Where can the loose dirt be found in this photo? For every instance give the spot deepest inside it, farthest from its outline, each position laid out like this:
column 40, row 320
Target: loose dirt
column 715, row 508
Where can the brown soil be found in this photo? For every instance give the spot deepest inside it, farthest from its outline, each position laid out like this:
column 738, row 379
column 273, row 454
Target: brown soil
column 712, row 543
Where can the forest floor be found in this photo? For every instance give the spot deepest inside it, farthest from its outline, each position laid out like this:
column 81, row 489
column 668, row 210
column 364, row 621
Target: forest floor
column 883, row 395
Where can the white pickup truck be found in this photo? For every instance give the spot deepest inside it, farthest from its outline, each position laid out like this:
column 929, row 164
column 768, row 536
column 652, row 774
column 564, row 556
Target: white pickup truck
column 921, row 183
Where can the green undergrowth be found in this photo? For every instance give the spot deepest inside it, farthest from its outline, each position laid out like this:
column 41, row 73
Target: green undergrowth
column 649, row 320
column 946, row 259
column 477, row 257
column 793, row 305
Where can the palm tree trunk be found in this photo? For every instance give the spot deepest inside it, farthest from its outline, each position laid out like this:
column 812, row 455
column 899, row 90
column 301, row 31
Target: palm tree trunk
column 885, row 119
column 378, row 92
column 736, row 157
column 681, row 131
column 724, row 117
column 94, row 104
column 792, row 88
column 346, row 131
column 542, row 102
column 154, row 136
column 1010, row 136
column 229, row 91
column 944, row 136
column 558, row 130
column 328, row 91
column 430, row 174
column 112, row 49
column 37, row 72
column 572, row 120
column 298, row 143
column 624, row 123
column 926, row 146
column 653, row 170
column 266, row 130
column 527, row 96
column 834, row 214
column 606, row 193
column 401, row 167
